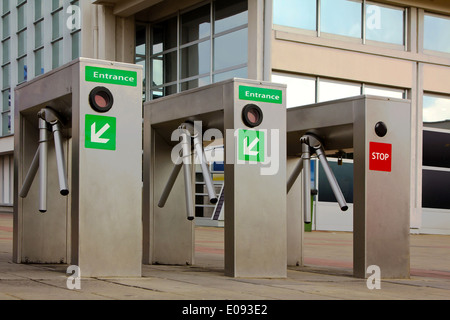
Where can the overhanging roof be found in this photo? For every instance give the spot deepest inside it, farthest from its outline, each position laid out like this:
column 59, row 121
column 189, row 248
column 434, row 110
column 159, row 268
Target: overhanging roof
column 126, row 8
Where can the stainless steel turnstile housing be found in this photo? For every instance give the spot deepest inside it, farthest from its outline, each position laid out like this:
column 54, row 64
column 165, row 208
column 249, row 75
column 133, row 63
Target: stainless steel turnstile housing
column 97, row 226
column 255, row 192
column 379, row 132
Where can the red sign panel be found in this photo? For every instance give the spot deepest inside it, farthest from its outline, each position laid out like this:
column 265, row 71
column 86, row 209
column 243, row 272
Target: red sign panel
column 380, row 156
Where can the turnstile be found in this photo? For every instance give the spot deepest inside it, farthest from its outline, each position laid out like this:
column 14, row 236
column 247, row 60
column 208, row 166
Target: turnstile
column 249, row 118
column 379, row 133
column 78, row 168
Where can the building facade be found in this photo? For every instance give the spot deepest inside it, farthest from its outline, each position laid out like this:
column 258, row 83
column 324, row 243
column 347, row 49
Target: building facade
column 322, row 49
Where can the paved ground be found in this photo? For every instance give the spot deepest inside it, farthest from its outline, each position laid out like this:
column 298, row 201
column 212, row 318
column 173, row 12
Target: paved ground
column 326, row 276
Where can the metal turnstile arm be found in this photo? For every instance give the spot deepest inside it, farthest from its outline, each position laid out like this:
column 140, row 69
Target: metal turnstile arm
column 47, row 116
column 306, row 182
column 30, row 175
column 170, row 183
column 311, row 144
column 332, row 179
column 43, row 165
column 188, row 131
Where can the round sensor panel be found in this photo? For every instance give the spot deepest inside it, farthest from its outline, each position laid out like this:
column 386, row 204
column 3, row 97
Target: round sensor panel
column 101, row 99
column 252, row 115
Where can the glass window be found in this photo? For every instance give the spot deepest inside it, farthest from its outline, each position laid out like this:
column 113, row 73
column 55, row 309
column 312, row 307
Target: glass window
column 21, row 17
column 436, row 33
column 6, row 123
column 195, row 83
column 56, row 4
column 384, row 92
column 56, row 25
column 37, row 9
column 22, row 43
column 295, row 13
column 235, row 73
column 332, row 90
column 6, row 76
column 195, row 24
column 5, row 6
column 6, row 100
column 57, row 54
column 5, row 26
column 22, row 72
column 436, row 189
column 229, row 14
column 5, row 51
column 222, row 57
column 436, row 149
column 300, row 90
column 385, row 24
column 344, row 177
column 342, row 17
column 39, row 62
column 38, row 34
column 436, row 111
column 196, row 59
column 76, row 42
column 211, row 44
column 164, row 69
column 164, row 35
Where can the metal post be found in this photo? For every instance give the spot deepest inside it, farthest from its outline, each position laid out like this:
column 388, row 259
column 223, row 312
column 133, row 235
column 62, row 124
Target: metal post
column 43, row 153
column 63, row 186
column 187, row 174
column 332, row 179
column 306, row 178
column 170, row 183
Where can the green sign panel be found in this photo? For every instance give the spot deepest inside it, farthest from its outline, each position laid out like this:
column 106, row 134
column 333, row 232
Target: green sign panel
column 261, row 94
column 100, row 132
column 251, row 145
column 111, row 76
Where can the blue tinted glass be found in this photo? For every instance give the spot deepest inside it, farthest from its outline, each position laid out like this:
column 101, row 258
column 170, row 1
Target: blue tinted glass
column 295, row 13
column 436, row 33
column 384, row 24
column 341, row 17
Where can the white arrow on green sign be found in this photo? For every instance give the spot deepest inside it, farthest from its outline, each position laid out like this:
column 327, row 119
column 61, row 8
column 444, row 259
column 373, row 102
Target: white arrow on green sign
column 251, row 145
column 100, row 132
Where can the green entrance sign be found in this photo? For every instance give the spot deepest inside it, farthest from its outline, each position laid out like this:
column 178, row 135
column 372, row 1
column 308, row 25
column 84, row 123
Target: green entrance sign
column 100, row 132
column 260, row 94
column 111, row 76
column 251, row 145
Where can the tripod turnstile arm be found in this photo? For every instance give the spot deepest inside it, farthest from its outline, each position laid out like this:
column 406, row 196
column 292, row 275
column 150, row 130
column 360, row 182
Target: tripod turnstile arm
column 294, row 175
column 306, row 182
column 187, row 174
column 170, row 183
column 30, row 175
column 43, row 165
column 62, row 175
column 203, row 163
column 47, row 116
column 332, row 179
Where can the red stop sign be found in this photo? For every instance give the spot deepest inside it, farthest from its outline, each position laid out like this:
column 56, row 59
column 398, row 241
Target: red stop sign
column 380, row 156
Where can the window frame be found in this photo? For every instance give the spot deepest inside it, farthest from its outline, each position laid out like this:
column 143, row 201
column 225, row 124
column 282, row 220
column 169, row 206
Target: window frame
column 356, row 40
column 182, row 84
